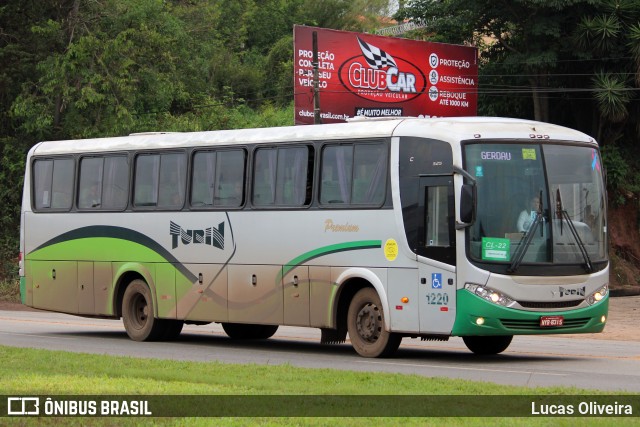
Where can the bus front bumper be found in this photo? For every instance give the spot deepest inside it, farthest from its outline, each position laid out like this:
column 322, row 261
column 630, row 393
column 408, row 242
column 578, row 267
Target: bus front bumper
column 476, row 316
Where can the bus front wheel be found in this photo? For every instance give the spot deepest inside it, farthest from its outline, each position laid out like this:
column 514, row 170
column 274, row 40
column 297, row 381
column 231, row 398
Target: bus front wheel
column 488, row 345
column 365, row 324
column 137, row 313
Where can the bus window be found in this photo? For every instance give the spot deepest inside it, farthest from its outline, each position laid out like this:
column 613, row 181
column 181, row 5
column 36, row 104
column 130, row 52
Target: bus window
column 115, row 187
column 437, row 226
column 53, row 183
column 90, row 184
column 173, row 175
column 369, row 174
column 337, row 161
column 103, row 183
column 282, row 176
column 218, row 178
column 353, row 174
column 160, row 180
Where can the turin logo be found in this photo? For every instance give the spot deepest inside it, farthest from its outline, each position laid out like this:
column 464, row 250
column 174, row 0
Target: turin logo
column 209, row 236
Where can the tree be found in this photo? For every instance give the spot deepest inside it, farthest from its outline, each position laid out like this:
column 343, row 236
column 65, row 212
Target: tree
column 91, row 68
column 609, row 35
column 529, row 38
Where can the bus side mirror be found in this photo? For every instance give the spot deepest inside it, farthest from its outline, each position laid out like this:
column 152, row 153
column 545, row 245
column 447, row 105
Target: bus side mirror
column 467, row 206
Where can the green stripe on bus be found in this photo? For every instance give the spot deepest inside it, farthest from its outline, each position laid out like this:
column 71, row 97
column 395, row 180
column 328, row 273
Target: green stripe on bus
column 107, row 243
column 327, row 250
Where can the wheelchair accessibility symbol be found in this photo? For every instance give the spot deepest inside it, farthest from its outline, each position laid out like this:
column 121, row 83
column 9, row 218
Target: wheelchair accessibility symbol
column 436, row 280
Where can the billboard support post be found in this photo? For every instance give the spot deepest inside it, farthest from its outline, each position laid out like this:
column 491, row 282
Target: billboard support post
column 316, row 89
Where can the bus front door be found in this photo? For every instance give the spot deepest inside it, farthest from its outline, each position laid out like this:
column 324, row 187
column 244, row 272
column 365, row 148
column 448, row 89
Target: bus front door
column 436, row 255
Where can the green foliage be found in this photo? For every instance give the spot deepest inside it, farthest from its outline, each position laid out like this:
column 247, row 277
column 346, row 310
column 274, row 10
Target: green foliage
column 12, row 155
column 82, row 69
column 621, row 167
column 78, row 68
column 10, row 290
column 578, row 61
column 612, row 95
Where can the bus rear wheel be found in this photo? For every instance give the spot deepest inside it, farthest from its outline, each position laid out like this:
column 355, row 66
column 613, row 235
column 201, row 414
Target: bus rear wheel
column 488, row 345
column 137, row 313
column 365, row 324
column 246, row 331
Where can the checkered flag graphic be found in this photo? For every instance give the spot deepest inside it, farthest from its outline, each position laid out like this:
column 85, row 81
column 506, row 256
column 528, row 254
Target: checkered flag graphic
column 376, row 57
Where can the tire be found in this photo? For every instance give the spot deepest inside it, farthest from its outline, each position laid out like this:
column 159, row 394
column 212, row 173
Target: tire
column 365, row 323
column 488, row 345
column 246, row 331
column 137, row 313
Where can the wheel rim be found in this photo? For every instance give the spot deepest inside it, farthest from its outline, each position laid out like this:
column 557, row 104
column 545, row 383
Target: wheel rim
column 369, row 323
column 139, row 311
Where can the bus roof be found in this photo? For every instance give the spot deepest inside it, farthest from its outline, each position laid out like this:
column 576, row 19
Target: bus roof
column 448, row 129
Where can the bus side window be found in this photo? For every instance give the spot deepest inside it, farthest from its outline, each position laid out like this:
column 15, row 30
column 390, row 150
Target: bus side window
column 115, row 189
column 145, row 191
column 292, row 176
column 218, row 178
column 336, row 175
column 369, row 174
column 282, row 176
column 353, row 174
column 53, row 183
column 173, row 174
column 230, row 173
column 202, row 179
column 103, row 183
column 264, row 176
column 90, row 183
column 160, row 180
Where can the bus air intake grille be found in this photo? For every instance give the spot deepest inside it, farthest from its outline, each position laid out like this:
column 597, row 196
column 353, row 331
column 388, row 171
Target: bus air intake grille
column 555, row 304
column 534, row 325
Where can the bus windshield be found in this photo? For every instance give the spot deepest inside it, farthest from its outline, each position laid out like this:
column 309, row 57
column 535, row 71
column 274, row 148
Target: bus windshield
column 537, row 204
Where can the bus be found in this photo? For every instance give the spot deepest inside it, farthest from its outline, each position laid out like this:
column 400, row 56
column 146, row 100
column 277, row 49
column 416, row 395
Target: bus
column 375, row 230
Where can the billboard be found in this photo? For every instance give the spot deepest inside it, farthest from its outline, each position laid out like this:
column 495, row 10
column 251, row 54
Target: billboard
column 374, row 76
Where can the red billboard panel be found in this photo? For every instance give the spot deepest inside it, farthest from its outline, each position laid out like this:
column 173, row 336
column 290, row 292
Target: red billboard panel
column 375, row 76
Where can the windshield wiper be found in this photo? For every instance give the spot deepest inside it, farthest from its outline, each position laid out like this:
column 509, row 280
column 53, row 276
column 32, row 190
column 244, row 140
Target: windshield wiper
column 564, row 216
column 524, row 245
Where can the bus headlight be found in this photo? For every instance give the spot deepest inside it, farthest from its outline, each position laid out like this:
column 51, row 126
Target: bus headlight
column 598, row 295
column 488, row 294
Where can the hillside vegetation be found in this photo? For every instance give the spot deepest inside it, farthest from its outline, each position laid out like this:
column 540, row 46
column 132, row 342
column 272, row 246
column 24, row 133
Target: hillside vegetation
column 87, row 68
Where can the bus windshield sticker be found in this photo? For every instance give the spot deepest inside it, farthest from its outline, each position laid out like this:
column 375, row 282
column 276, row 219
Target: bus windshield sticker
column 594, row 160
column 496, row 249
column 528, row 154
column 479, row 171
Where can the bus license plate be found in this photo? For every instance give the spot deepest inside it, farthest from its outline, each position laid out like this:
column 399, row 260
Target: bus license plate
column 551, row 321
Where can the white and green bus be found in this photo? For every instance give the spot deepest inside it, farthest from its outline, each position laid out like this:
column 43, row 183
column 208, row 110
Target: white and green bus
column 481, row 228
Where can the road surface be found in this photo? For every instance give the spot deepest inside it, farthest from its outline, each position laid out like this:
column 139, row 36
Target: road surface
column 609, row 365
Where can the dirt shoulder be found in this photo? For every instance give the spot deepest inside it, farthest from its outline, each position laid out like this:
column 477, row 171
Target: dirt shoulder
column 623, row 324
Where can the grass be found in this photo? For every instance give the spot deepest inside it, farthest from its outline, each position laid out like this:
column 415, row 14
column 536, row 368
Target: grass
column 10, row 290
column 27, row 372
column 49, row 373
